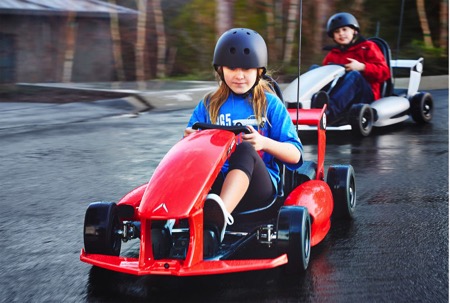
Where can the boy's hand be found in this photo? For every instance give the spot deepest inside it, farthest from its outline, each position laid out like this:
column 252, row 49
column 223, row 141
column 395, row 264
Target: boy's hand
column 354, row 65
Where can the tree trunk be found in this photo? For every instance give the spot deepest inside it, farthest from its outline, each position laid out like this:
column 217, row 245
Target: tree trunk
column 270, row 17
column 160, row 39
column 224, row 16
column 319, row 34
column 424, row 23
column 290, row 31
column 278, row 29
column 357, row 9
column 140, row 43
column 69, row 54
column 443, row 35
column 116, row 43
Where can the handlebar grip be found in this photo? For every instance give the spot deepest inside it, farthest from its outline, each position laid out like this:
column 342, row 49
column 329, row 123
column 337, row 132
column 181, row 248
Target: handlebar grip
column 234, row 129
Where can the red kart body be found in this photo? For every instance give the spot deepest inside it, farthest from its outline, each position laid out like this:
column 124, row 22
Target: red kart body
column 177, row 191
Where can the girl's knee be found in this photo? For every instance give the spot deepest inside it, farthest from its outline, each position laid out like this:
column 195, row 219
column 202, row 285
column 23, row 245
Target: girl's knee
column 245, row 148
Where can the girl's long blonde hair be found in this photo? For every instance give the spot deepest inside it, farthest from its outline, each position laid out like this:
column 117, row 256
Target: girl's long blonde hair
column 214, row 100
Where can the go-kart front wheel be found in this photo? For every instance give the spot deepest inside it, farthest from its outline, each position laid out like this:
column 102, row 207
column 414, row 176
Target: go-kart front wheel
column 294, row 237
column 341, row 180
column 361, row 119
column 101, row 229
column 422, row 107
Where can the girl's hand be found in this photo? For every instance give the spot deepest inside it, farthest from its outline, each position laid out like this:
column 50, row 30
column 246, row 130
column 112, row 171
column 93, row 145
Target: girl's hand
column 283, row 151
column 254, row 138
column 189, row 131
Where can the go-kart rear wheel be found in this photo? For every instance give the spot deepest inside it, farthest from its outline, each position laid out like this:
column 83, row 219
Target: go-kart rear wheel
column 361, row 119
column 422, row 107
column 294, row 237
column 101, row 229
column 341, row 180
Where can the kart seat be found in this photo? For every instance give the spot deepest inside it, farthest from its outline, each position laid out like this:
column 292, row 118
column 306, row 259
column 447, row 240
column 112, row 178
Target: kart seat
column 304, row 173
column 274, row 85
column 289, row 181
column 387, row 88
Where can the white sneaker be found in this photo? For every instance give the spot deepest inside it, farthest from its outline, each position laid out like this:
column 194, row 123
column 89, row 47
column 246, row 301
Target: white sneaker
column 215, row 212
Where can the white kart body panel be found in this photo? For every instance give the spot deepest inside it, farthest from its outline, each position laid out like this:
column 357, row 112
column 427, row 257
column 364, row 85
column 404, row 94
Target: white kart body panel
column 386, row 108
column 415, row 73
column 341, row 127
column 310, row 83
column 389, row 107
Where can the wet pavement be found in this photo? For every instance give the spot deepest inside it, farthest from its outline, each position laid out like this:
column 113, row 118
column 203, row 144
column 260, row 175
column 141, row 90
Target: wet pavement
column 56, row 159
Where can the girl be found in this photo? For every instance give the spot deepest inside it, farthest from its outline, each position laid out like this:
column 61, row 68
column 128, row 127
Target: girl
column 250, row 177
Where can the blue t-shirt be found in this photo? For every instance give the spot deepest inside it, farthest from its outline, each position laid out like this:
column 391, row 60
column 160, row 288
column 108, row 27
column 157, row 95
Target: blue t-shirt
column 277, row 125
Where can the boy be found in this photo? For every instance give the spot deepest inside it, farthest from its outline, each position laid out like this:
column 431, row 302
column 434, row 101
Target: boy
column 365, row 66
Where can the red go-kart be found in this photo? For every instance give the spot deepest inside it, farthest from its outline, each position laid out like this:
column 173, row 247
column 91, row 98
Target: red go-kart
column 166, row 214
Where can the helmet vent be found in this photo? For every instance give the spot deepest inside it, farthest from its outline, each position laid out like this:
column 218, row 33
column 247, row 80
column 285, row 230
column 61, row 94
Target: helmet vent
column 246, row 51
column 232, row 50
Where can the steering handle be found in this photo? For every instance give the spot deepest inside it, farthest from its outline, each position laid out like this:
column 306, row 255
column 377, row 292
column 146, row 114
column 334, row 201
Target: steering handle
column 234, row 129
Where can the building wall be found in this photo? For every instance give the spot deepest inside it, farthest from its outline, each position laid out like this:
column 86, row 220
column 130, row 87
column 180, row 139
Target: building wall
column 39, row 47
column 93, row 59
column 7, row 58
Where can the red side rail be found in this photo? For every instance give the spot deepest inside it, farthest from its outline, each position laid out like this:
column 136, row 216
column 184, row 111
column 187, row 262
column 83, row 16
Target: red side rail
column 313, row 117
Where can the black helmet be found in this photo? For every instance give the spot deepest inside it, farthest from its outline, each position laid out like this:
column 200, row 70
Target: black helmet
column 240, row 48
column 340, row 20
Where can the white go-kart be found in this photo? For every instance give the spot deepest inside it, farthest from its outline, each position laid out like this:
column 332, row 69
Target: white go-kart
column 395, row 105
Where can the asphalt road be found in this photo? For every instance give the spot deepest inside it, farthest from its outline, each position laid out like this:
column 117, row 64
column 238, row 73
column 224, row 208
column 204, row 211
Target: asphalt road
column 56, row 159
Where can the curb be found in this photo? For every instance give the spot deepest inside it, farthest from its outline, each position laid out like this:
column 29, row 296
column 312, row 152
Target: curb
column 191, row 92
column 426, row 83
column 140, row 104
column 174, row 99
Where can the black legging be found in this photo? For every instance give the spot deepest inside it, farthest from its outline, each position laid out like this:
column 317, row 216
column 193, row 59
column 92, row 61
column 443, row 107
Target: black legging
column 260, row 190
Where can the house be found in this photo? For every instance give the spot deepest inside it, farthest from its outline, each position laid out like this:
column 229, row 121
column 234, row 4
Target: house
column 60, row 40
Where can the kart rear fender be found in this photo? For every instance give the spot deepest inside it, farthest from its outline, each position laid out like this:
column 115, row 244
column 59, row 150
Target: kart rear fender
column 184, row 176
column 390, row 110
column 311, row 82
column 316, row 196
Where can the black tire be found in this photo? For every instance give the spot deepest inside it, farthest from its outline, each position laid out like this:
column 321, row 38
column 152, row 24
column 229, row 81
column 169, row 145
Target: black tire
column 341, row 180
column 294, row 237
column 361, row 119
column 422, row 107
column 101, row 226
